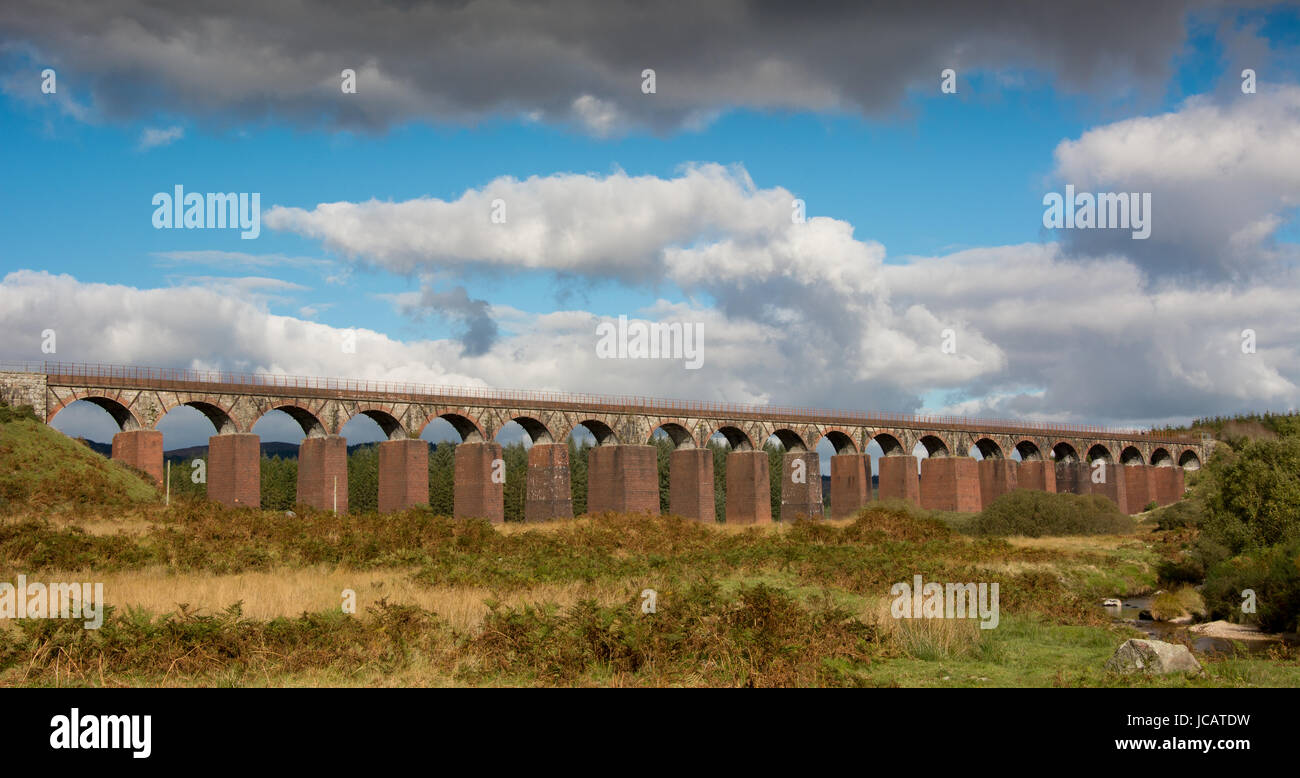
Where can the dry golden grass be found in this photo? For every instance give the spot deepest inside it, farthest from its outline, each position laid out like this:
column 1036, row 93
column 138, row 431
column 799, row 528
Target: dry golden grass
column 513, row 528
column 922, row 638
column 1072, row 543
column 292, row 591
column 131, row 523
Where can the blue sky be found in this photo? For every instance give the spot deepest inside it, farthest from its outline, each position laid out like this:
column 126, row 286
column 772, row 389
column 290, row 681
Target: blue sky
column 931, row 178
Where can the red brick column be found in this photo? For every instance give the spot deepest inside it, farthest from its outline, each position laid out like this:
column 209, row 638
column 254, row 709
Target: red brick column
column 476, row 494
column 898, row 478
column 1113, row 486
column 235, row 470
column 1037, row 474
column 623, row 479
column 141, row 449
column 1071, row 478
column 403, row 474
column 1168, row 483
column 850, row 484
column 690, row 484
column 549, row 495
column 749, row 488
column 950, row 484
column 1138, row 485
column 997, row 477
column 801, row 498
column 323, row 463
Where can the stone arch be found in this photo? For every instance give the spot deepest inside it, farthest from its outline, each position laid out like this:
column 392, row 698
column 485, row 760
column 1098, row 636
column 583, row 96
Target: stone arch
column 467, row 427
column 1162, row 458
column 222, row 420
column 677, row 432
column 890, row 444
column 123, row 416
column 935, row 445
column 1100, row 451
column 840, row 440
column 537, row 430
column 311, row 425
column 1188, row 460
column 1028, row 450
column 790, row 440
column 1064, row 451
column 388, row 423
column 1131, row 455
column 737, row 438
column 988, row 448
column 601, row 430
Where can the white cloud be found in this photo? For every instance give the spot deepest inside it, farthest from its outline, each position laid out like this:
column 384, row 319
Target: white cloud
column 1223, row 178
column 153, row 137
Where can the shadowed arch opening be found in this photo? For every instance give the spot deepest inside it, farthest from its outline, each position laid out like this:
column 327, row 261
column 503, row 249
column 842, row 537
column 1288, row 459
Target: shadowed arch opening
column 311, row 426
column 889, row 445
column 679, row 435
column 119, row 413
column 1100, row 452
column 191, row 424
column 734, row 437
column 92, row 420
column 987, row 449
column 934, row 446
column 464, row 426
column 1188, row 460
column 1029, row 451
column 789, row 440
column 1162, row 458
column 599, row 430
column 387, row 423
column 220, row 419
column 1064, row 452
column 1131, row 456
column 841, row 442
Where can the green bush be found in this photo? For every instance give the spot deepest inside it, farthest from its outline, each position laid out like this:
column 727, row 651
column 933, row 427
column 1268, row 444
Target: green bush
column 1272, row 573
column 1184, row 513
column 1193, row 564
column 10, row 413
column 1033, row 513
column 1252, row 496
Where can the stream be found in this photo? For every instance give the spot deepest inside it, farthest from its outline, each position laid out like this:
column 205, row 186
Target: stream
column 1129, row 613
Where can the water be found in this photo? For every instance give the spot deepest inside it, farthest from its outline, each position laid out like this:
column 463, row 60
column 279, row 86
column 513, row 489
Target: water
column 1130, row 612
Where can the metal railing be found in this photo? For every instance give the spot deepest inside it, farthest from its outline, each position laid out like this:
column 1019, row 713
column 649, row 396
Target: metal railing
column 190, row 379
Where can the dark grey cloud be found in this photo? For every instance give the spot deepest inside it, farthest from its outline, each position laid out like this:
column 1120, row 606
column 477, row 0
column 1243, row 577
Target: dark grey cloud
column 567, row 60
column 478, row 330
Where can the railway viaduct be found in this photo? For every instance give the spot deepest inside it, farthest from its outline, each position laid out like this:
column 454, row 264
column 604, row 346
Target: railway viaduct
column 1130, row 467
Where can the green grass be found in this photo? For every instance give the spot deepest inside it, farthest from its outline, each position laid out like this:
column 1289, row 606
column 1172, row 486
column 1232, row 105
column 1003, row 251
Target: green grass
column 43, row 469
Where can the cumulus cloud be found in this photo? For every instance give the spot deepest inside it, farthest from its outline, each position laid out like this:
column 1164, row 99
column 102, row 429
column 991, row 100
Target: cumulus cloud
column 707, row 228
column 570, row 60
column 1089, row 340
column 1224, row 176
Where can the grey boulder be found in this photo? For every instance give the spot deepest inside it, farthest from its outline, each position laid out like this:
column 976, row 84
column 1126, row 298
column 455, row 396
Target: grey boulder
column 1153, row 657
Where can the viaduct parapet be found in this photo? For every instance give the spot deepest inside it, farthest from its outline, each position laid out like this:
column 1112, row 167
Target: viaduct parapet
column 1131, row 467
